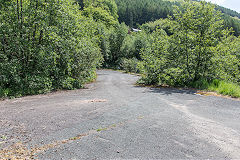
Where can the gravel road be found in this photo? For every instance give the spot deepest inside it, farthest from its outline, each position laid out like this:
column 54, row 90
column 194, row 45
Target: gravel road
column 114, row 119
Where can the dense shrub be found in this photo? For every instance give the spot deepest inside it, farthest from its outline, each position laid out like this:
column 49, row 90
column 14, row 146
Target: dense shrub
column 198, row 49
column 45, row 45
column 130, row 65
column 133, row 44
column 154, row 61
column 116, row 37
column 164, row 24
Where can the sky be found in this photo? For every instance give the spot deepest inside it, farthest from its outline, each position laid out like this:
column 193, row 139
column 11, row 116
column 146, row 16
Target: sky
column 232, row 4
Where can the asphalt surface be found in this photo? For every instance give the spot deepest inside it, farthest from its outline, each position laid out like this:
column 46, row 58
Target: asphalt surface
column 114, row 119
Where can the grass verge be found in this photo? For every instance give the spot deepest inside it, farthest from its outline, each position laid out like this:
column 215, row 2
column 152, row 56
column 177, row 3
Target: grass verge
column 221, row 87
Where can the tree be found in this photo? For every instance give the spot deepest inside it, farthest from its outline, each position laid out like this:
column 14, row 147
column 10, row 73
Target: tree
column 116, row 39
column 195, row 51
column 198, row 29
column 45, row 45
column 104, row 11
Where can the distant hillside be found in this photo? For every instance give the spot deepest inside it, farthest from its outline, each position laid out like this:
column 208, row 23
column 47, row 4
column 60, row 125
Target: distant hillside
column 134, row 12
column 137, row 12
column 226, row 10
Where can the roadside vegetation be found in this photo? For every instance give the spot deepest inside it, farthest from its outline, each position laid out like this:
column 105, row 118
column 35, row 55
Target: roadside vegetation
column 48, row 45
column 218, row 86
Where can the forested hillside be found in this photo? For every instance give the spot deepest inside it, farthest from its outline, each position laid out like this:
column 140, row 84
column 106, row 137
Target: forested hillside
column 135, row 12
column 227, row 11
column 47, row 45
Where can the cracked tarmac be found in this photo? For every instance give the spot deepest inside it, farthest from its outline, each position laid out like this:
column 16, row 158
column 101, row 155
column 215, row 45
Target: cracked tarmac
column 114, row 119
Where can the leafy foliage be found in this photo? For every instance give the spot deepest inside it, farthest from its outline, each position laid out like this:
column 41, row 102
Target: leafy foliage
column 196, row 50
column 104, row 11
column 45, row 45
column 135, row 12
column 164, row 24
column 130, row 65
column 133, row 44
column 116, row 38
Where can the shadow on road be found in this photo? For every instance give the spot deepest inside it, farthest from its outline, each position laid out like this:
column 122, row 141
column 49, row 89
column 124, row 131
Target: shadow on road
column 102, row 74
column 169, row 91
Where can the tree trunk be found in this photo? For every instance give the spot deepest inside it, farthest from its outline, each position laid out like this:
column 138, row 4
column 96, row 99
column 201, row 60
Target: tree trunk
column 41, row 36
column 4, row 44
column 18, row 10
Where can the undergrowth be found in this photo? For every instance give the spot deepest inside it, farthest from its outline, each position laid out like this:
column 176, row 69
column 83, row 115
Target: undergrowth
column 219, row 86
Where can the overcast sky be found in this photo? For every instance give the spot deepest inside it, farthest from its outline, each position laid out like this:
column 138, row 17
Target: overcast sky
column 232, row 4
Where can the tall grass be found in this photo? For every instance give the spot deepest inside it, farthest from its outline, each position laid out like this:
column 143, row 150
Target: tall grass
column 226, row 88
column 221, row 87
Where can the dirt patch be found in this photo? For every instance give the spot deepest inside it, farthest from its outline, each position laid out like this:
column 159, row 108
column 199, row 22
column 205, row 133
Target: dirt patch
column 94, row 100
column 77, row 102
column 21, row 151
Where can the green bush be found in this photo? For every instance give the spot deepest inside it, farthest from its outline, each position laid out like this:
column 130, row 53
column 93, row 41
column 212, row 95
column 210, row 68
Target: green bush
column 130, row 65
column 37, row 85
column 116, row 39
column 195, row 51
column 202, row 84
column 133, row 44
column 46, row 45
